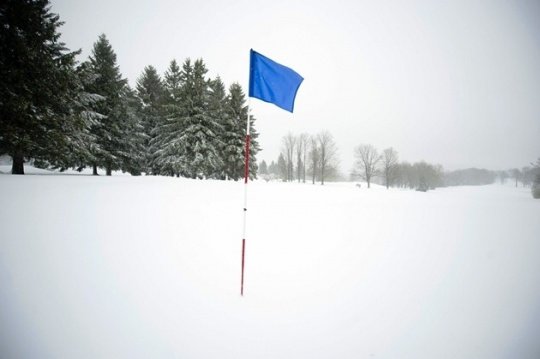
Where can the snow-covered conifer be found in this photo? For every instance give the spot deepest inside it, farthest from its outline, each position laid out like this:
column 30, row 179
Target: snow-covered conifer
column 235, row 132
column 109, row 84
column 150, row 92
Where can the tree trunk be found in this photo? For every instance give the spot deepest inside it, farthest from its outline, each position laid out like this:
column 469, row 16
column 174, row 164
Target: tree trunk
column 17, row 168
column 108, row 171
column 94, row 170
column 304, row 167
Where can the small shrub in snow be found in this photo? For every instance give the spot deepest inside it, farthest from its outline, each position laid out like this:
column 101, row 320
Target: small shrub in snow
column 535, row 190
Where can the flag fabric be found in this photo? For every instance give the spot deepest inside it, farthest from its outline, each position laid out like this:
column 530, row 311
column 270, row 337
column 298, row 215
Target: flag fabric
column 272, row 82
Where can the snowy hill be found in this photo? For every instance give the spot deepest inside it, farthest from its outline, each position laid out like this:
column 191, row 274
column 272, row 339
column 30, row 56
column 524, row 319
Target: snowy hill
column 149, row 267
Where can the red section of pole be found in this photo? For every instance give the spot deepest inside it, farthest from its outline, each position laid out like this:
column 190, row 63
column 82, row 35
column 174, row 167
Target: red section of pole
column 243, row 256
column 246, row 169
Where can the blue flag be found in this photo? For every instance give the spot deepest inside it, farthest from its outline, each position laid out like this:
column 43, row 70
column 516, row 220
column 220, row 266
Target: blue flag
column 272, row 82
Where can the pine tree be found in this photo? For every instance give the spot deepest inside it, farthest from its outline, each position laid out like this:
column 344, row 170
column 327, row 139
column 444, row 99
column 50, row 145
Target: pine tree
column 263, row 168
column 110, row 85
column 80, row 142
column 273, row 169
column 151, row 93
column 134, row 136
column 232, row 136
column 199, row 143
column 235, row 133
column 217, row 102
column 38, row 84
column 164, row 152
column 187, row 143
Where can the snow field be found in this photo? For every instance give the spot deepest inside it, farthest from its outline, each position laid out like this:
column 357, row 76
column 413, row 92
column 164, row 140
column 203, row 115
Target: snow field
column 138, row 267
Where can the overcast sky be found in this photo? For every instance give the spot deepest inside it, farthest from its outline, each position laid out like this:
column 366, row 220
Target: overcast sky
column 449, row 82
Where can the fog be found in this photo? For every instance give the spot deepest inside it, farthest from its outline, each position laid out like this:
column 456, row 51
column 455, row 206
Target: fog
column 453, row 83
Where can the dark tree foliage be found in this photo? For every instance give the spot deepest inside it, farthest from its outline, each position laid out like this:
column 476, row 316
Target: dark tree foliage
column 134, row 138
column 109, row 84
column 199, row 144
column 234, row 136
column 80, row 142
column 217, row 104
column 164, row 155
column 65, row 116
column 151, row 93
column 38, row 85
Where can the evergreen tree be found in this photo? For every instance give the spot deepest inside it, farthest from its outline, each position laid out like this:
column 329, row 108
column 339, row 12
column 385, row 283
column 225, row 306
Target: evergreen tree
column 199, row 142
column 217, row 103
column 232, row 135
column 235, row 133
column 80, row 142
column 165, row 158
column 173, row 84
column 134, row 137
column 188, row 142
column 151, row 93
column 253, row 149
column 38, row 84
column 273, row 169
column 110, row 85
column 263, row 168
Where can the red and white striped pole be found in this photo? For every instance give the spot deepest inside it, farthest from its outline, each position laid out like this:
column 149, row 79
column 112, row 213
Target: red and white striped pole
column 246, row 177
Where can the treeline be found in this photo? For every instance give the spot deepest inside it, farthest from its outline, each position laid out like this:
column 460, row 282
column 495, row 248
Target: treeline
column 370, row 165
column 384, row 168
column 473, row 176
column 469, row 177
column 526, row 176
column 62, row 114
column 314, row 157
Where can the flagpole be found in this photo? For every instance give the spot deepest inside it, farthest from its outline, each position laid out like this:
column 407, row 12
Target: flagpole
column 246, row 177
column 266, row 78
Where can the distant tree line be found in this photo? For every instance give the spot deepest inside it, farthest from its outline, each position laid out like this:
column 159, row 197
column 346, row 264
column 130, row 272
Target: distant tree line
column 370, row 165
column 528, row 176
column 469, row 177
column 302, row 156
column 315, row 157
column 61, row 114
column 385, row 168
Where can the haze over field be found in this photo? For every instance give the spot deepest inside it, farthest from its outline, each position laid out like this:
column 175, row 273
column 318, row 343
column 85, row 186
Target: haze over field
column 452, row 83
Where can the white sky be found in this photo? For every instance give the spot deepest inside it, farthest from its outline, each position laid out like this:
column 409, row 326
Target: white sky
column 454, row 82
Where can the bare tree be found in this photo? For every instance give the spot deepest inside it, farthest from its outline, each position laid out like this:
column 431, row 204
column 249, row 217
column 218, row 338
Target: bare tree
column 389, row 166
column 302, row 142
column 314, row 157
column 367, row 159
column 288, row 144
column 328, row 152
column 516, row 174
column 281, row 167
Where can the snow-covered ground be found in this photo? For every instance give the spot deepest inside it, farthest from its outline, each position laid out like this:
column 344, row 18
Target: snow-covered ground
column 149, row 267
